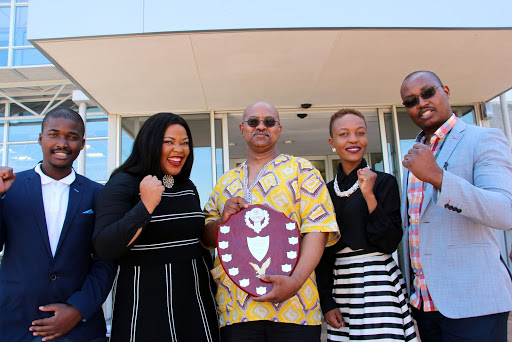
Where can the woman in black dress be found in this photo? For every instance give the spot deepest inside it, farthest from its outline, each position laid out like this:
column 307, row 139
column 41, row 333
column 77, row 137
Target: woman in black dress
column 362, row 292
column 149, row 220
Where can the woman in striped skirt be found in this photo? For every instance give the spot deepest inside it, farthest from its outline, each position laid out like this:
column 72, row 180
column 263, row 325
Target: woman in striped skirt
column 149, row 220
column 362, row 292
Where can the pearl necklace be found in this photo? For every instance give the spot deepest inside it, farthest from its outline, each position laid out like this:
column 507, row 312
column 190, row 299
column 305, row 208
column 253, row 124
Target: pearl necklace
column 348, row 192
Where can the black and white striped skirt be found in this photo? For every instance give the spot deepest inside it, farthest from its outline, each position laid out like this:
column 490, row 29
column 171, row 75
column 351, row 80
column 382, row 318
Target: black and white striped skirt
column 370, row 292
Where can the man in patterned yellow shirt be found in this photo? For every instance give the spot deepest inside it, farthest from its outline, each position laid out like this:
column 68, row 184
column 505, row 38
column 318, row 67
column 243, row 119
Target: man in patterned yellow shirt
column 291, row 311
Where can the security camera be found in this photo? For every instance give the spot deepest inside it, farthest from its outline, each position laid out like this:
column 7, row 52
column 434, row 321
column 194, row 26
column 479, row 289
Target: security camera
column 302, row 115
column 306, row 105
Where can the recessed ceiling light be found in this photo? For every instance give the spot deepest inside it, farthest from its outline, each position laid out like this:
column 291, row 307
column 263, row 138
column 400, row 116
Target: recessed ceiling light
column 288, row 141
column 231, row 144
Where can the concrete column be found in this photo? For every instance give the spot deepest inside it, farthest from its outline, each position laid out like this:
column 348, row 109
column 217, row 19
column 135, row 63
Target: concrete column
column 114, row 142
column 82, row 101
column 213, row 147
column 82, row 110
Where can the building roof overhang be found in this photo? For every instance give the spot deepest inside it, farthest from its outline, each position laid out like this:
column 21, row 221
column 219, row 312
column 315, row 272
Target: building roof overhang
column 227, row 70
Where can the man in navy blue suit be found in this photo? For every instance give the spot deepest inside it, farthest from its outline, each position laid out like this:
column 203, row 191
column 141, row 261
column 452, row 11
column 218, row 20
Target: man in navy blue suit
column 52, row 285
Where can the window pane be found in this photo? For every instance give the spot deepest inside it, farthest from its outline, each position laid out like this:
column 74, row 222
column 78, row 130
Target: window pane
column 395, row 163
column 3, row 57
column 2, row 110
column 96, row 160
column 129, row 129
column 202, row 169
column 1, row 134
column 29, row 56
column 97, row 127
column 23, row 157
column 201, row 172
column 126, row 145
column 24, row 130
column 219, row 162
column 407, row 131
column 320, row 166
column 219, row 155
column 5, row 21
column 20, row 30
column 466, row 113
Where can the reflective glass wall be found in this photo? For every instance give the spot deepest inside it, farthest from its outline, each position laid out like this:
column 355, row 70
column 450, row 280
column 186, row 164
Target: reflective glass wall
column 19, row 131
column 15, row 50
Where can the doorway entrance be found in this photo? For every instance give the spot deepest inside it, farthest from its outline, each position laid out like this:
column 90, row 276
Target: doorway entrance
column 308, row 138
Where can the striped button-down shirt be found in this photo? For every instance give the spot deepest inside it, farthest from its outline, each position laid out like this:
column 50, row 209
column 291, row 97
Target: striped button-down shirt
column 415, row 195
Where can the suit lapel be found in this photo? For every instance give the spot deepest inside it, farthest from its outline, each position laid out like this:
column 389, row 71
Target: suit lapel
column 75, row 195
column 451, row 142
column 427, row 196
column 35, row 195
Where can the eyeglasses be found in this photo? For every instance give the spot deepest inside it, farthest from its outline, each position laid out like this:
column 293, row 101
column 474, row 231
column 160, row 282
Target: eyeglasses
column 268, row 122
column 425, row 94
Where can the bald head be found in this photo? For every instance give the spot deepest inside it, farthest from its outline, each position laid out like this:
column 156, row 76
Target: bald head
column 253, row 109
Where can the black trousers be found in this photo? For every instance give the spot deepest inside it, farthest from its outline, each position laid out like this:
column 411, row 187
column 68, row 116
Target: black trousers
column 267, row 331
column 434, row 327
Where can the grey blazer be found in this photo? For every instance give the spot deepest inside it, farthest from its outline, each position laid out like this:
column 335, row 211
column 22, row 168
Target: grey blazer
column 459, row 249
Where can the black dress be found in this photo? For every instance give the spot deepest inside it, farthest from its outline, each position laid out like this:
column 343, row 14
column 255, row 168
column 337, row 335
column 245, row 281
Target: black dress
column 358, row 275
column 163, row 290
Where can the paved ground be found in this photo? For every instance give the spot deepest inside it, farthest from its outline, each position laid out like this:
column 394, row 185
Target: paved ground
column 509, row 331
column 324, row 332
column 509, row 339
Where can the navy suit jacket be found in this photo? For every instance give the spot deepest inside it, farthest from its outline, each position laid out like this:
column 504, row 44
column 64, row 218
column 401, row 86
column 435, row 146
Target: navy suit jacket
column 30, row 276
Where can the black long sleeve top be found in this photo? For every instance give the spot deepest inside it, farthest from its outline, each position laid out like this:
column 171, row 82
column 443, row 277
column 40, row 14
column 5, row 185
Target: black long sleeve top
column 120, row 214
column 380, row 231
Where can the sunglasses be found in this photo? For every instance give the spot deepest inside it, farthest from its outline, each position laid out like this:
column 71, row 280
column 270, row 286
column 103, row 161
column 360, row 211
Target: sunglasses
column 425, row 94
column 268, row 122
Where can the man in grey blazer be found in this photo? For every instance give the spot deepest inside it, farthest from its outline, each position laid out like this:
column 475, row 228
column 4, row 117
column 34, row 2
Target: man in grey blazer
column 457, row 193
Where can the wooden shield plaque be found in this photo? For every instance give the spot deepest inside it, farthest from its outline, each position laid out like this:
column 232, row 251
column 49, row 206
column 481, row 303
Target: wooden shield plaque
column 258, row 240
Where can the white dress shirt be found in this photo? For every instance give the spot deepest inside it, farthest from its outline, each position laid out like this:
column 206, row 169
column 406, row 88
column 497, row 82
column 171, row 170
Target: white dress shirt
column 55, row 201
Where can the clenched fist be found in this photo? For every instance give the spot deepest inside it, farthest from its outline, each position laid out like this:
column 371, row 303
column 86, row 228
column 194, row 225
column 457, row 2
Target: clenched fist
column 151, row 189
column 366, row 179
column 7, row 177
column 421, row 162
